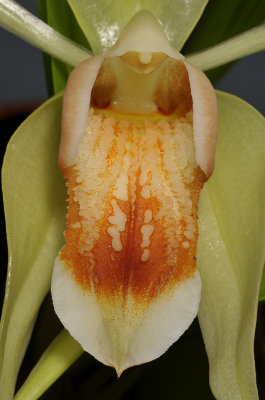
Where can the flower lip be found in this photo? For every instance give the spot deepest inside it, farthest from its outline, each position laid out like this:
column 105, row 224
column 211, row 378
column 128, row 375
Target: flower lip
column 133, row 195
column 125, row 284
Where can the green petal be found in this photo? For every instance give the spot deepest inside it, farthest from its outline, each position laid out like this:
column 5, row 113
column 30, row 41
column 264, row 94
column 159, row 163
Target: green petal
column 34, row 196
column 102, row 22
column 230, row 16
column 221, row 20
column 60, row 17
column 231, row 249
column 22, row 23
column 247, row 43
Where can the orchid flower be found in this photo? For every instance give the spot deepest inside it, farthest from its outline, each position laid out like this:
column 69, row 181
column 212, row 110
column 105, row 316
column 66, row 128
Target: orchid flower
column 138, row 140
column 139, row 128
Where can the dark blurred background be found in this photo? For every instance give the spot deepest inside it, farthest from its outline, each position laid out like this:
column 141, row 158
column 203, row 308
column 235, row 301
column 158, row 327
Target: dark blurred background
column 22, row 89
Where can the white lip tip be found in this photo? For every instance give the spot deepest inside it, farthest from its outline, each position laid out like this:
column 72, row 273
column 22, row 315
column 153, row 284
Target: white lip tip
column 119, row 372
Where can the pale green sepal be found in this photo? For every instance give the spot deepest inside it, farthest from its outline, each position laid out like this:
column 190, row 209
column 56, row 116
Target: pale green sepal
column 247, row 43
column 22, row 23
column 231, row 249
column 57, row 358
column 102, row 22
column 34, row 201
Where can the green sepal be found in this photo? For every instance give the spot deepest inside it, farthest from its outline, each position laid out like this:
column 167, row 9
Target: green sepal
column 231, row 249
column 34, row 201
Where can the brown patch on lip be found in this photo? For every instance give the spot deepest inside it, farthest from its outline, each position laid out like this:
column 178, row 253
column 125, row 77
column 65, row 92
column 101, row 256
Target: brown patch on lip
column 173, row 95
column 112, row 271
column 104, row 86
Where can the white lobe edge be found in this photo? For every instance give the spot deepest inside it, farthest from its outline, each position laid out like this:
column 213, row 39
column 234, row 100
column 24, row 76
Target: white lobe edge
column 144, row 34
column 205, row 118
column 142, row 340
column 76, row 103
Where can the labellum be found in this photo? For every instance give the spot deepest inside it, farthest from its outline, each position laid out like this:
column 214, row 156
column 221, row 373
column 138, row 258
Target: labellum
column 138, row 140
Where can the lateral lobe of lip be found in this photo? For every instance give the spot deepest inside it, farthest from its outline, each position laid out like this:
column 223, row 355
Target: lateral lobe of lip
column 132, row 212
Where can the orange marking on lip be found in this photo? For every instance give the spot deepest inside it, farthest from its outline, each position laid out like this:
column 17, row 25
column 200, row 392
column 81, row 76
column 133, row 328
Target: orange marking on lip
column 111, row 271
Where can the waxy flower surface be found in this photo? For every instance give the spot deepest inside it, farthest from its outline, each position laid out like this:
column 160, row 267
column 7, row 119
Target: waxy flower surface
column 138, row 142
